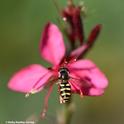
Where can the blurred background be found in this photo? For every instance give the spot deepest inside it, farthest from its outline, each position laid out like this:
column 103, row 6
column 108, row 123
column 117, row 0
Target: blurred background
column 21, row 24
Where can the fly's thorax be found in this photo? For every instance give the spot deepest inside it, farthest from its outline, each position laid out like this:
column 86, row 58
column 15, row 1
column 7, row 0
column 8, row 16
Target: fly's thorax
column 63, row 73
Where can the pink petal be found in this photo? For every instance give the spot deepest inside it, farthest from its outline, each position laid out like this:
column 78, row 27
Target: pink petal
column 96, row 92
column 86, row 70
column 25, row 79
column 84, row 89
column 78, row 52
column 52, row 46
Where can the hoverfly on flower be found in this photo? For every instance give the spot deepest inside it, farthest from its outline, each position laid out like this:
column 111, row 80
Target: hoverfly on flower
column 79, row 76
column 64, row 86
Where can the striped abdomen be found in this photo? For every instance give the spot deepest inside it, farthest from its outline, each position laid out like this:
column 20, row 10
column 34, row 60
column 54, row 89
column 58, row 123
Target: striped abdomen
column 65, row 91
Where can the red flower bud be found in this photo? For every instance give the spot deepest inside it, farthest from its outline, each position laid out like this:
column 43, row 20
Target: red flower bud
column 75, row 31
column 83, row 49
column 94, row 34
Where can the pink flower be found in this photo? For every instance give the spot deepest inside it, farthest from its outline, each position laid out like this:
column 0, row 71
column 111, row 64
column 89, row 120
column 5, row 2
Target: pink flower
column 85, row 78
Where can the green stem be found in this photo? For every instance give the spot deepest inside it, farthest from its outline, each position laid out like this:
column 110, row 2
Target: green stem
column 68, row 113
column 65, row 115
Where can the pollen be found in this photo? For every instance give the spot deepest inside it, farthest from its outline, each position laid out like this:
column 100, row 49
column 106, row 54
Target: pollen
column 31, row 92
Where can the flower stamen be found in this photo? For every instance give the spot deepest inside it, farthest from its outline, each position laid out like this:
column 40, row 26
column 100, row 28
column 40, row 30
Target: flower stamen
column 33, row 91
column 81, row 93
column 39, row 80
column 43, row 113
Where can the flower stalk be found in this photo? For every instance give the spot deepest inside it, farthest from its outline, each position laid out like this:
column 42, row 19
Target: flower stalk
column 64, row 116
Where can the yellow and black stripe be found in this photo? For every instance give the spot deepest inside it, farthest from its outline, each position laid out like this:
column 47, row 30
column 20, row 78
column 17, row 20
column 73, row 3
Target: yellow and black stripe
column 65, row 91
